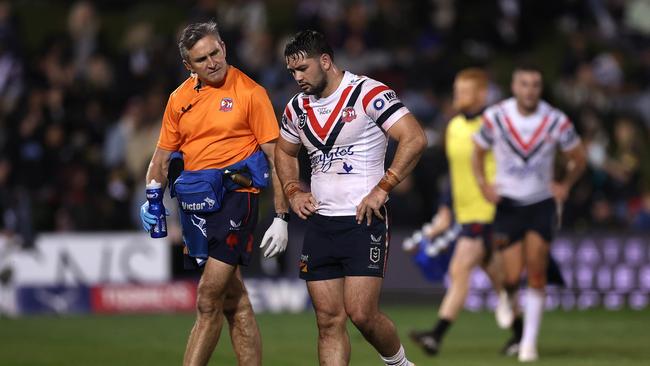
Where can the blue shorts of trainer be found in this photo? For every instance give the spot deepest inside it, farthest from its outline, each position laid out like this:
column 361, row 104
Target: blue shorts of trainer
column 513, row 220
column 336, row 247
column 230, row 230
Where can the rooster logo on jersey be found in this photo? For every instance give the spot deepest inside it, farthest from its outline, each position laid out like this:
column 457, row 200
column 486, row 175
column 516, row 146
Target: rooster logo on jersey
column 226, row 105
column 348, row 114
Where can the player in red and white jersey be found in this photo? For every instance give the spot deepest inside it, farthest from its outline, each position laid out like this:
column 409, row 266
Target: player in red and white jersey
column 524, row 146
column 345, row 137
column 344, row 121
column 524, row 132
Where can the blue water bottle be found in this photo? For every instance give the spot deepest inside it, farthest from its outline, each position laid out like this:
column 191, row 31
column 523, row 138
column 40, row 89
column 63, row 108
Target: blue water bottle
column 156, row 208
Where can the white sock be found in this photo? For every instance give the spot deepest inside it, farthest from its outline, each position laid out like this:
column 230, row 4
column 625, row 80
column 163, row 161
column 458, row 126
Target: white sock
column 533, row 310
column 399, row 359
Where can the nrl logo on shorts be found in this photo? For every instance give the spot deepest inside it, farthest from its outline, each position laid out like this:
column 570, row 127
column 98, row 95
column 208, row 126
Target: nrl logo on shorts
column 226, row 105
column 348, row 114
column 302, row 120
column 375, row 254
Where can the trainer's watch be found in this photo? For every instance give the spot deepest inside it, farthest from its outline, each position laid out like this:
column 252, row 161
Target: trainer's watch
column 283, row 215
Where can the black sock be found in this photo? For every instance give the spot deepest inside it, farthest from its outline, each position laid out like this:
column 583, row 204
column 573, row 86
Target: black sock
column 441, row 328
column 517, row 327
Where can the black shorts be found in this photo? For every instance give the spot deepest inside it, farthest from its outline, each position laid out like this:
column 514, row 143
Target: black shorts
column 336, row 247
column 512, row 221
column 478, row 230
column 230, row 230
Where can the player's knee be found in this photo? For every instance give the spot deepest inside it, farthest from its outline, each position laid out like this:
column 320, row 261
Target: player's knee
column 361, row 318
column 537, row 279
column 207, row 303
column 328, row 320
column 207, row 307
column 459, row 272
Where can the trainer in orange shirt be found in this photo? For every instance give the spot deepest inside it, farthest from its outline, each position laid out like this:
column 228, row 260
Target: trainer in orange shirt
column 219, row 118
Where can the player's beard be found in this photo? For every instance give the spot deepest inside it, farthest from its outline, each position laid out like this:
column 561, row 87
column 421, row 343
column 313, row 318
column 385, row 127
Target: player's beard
column 318, row 87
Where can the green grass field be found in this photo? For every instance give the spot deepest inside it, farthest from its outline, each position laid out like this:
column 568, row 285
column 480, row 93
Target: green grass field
column 595, row 337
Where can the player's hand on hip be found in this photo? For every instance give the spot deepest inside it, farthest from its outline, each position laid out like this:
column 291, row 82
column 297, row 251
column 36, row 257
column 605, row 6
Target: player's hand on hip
column 560, row 191
column 490, row 193
column 303, row 204
column 275, row 238
column 370, row 205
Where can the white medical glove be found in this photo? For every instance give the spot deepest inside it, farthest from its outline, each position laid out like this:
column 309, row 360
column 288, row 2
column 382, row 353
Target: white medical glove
column 275, row 238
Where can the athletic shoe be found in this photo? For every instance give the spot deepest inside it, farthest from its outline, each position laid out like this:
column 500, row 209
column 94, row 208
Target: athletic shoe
column 426, row 341
column 503, row 311
column 527, row 353
column 511, row 348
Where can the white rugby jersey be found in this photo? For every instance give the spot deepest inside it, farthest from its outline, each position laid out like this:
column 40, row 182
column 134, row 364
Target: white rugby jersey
column 345, row 137
column 524, row 148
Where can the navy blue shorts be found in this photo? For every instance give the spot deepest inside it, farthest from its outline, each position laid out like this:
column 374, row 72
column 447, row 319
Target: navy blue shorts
column 478, row 230
column 229, row 231
column 512, row 221
column 336, row 247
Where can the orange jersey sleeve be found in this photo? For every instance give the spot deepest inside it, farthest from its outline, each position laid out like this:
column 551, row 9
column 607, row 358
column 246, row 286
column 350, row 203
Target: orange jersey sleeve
column 262, row 118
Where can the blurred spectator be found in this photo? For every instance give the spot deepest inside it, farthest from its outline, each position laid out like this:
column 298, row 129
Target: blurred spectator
column 11, row 68
column 641, row 220
column 80, row 100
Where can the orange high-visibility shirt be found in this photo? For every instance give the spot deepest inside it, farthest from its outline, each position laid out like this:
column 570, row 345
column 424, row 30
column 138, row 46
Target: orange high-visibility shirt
column 217, row 127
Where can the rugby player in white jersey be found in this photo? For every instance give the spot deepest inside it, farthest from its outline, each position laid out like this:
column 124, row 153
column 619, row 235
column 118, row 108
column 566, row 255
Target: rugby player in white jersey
column 344, row 121
column 524, row 133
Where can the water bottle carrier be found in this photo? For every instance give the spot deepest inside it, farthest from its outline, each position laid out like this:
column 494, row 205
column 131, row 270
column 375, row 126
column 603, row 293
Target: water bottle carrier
column 200, row 191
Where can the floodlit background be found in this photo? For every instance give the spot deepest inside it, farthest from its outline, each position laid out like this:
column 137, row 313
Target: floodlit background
column 82, row 89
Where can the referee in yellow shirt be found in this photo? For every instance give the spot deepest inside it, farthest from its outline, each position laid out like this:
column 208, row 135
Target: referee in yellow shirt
column 472, row 211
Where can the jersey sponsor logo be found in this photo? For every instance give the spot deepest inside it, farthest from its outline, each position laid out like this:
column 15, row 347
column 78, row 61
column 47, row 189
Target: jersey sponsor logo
column 390, row 96
column 324, row 161
column 199, row 223
column 324, row 110
column 226, row 105
column 197, row 206
column 348, row 114
column 375, row 254
column 378, row 104
column 527, row 169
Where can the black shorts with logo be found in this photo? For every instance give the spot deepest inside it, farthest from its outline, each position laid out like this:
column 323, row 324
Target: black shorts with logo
column 229, row 231
column 336, row 247
column 513, row 220
column 479, row 230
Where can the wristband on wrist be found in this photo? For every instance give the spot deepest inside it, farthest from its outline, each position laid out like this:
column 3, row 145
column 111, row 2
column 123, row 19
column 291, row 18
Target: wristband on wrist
column 389, row 181
column 291, row 188
column 283, row 215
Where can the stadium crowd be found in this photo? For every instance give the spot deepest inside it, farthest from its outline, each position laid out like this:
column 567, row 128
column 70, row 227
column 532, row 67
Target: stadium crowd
column 81, row 106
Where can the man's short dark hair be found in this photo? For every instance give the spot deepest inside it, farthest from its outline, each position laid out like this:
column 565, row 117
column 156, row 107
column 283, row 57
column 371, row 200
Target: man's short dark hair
column 309, row 43
column 193, row 33
column 527, row 66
